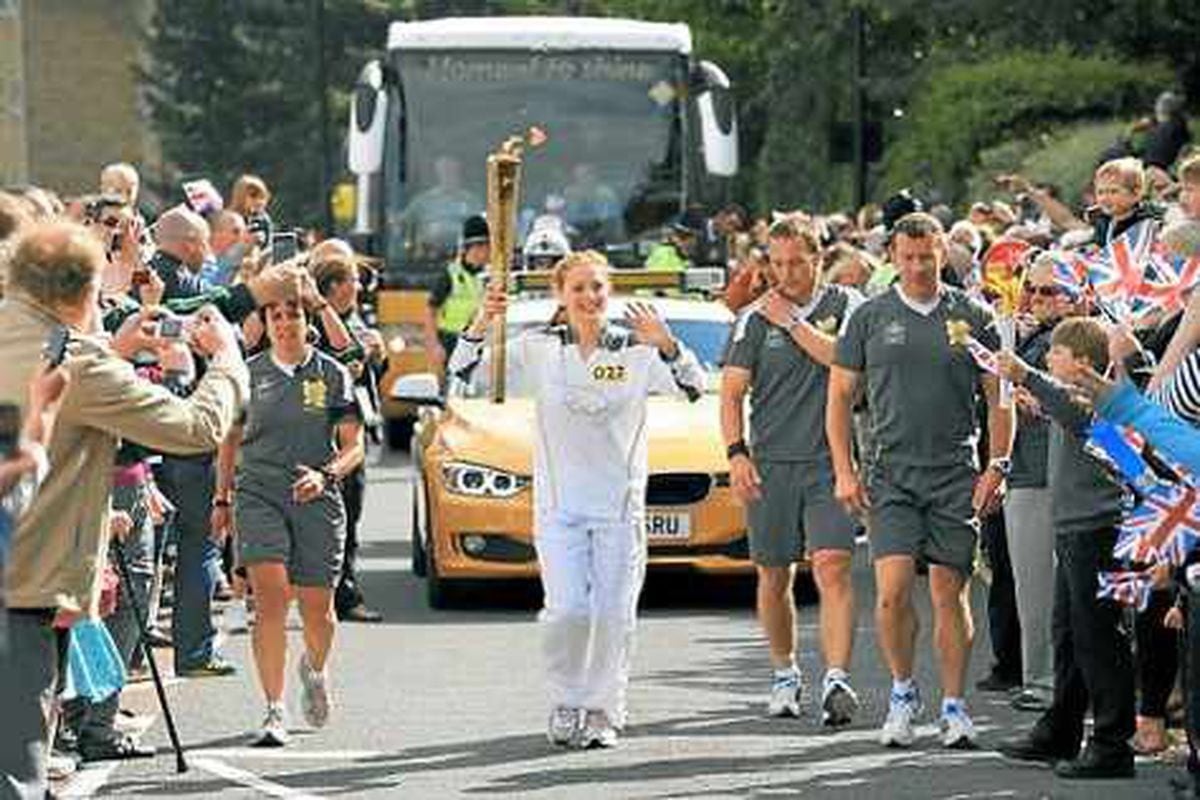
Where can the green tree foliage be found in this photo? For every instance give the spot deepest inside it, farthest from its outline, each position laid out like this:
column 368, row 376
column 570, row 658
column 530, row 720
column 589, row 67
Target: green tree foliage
column 233, row 82
column 966, row 108
column 233, row 88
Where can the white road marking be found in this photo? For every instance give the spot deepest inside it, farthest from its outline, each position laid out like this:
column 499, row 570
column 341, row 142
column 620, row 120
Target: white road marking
column 250, row 780
column 277, row 754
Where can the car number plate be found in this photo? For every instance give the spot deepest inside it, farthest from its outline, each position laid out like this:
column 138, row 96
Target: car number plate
column 673, row 525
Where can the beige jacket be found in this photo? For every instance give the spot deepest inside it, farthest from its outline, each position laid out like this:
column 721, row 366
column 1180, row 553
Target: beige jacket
column 60, row 543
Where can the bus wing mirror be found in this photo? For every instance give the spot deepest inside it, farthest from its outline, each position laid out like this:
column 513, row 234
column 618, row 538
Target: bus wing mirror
column 368, row 119
column 718, row 119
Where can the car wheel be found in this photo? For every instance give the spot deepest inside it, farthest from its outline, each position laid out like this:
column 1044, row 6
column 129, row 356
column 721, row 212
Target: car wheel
column 439, row 592
column 398, row 433
column 420, row 561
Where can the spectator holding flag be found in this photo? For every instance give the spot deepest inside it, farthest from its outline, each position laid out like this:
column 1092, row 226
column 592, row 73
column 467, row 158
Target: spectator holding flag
column 1093, row 660
column 1027, row 505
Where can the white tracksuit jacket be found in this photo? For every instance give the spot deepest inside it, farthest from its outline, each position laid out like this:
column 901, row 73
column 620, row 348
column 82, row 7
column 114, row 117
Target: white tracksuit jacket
column 590, row 471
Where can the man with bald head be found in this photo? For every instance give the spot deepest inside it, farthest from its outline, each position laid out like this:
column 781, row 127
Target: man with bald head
column 230, row 242
column 53, row 569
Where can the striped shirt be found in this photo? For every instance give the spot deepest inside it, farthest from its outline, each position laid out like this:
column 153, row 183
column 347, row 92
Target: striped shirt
column 1180, row 392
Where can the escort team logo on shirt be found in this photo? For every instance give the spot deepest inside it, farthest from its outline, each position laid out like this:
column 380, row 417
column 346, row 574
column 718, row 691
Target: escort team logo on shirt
column 828, row 325
column 775, row 338
column 894, row 333
column 609, row 373
column 958, row 331
column 314, row 393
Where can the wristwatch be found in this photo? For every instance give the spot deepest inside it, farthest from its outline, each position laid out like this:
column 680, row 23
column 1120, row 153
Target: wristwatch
column 738, row 448
column 1002, row 464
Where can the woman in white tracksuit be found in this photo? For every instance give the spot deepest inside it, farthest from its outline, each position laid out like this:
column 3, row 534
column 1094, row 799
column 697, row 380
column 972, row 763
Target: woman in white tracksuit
column 590, row 381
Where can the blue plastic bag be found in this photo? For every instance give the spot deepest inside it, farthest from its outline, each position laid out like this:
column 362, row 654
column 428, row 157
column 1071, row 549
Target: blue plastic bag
column 94, row 668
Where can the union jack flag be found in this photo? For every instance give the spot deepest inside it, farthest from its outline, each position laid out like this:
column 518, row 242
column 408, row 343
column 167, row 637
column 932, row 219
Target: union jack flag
column 1163, row 528
column 1174, row 277
column 984, row 358
column 1120, row 270
column 1070, row 272
column 1126, row 587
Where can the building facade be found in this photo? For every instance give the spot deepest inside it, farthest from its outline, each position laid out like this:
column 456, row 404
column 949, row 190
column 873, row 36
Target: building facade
column 70, row 100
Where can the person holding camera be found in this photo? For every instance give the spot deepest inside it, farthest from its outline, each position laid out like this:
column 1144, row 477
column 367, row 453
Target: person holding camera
column 301, row 437
column 52, row 577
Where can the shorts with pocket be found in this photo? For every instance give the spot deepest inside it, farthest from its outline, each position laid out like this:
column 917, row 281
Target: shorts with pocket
column 924, row 512
column 309, row 538
column 797, row 513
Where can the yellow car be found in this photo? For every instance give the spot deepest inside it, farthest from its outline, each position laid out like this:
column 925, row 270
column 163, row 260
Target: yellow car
column 473, row 511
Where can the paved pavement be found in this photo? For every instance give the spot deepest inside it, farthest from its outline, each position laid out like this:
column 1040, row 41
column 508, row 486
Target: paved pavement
column 449, row 704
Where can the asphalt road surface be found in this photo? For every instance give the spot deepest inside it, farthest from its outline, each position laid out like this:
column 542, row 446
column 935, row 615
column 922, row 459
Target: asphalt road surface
column 450, row 704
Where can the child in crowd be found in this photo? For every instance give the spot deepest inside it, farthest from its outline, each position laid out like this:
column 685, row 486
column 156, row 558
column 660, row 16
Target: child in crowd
column 1093, row 660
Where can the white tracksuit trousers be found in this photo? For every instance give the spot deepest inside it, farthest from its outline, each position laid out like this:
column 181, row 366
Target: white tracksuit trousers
column 592, row 574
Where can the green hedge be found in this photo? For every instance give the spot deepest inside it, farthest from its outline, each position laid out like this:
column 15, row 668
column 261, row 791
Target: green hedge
column 1064, row 156
column 961, row 110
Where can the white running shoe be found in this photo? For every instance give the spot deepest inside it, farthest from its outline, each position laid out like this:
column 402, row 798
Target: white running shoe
column 235, row 619
column 598, row 731
column 273, row 732
column 958, row 732
column 897, row 730
column 785, row 695
column 564, row 725
column 314, row 694
column 838, row 703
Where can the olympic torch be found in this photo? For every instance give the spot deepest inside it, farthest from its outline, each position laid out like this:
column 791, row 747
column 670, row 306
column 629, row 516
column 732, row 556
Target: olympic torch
column 503, row 195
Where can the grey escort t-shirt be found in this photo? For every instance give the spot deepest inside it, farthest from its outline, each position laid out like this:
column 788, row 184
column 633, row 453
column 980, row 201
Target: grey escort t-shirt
column 291, row 416
column 920, row 390
column 787, row 387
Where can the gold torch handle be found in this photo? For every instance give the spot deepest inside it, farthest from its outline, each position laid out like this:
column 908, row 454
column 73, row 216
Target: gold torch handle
column 503, row 188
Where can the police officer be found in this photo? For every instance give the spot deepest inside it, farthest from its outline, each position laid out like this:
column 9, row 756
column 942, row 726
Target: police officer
column 458, row 293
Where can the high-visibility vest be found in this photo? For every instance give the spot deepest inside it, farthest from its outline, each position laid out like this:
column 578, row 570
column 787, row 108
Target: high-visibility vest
column 466, row 294
column 665, row 258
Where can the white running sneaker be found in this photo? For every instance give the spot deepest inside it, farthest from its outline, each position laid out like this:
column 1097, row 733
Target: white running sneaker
column 235, row 619
column 958, row 732
column 897, row 730
column 314, row 694
column 598, row 731
column 273, row 732
column 564, row 725
column 838, row 703
column 785, row 695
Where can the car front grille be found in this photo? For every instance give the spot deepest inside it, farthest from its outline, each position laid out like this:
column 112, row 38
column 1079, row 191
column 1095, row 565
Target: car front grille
column 677, row 488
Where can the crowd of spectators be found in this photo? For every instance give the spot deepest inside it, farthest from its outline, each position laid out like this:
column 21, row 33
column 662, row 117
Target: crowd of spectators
column 126, row 341
column 158, row 314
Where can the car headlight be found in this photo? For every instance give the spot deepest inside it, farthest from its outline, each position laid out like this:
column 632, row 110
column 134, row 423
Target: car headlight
column 477, row 481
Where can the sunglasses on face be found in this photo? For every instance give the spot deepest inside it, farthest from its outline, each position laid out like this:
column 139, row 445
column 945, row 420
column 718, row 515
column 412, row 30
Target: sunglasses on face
column 1043, row 291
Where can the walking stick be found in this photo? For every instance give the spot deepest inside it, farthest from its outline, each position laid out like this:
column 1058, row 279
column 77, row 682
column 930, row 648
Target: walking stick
column 139, row 614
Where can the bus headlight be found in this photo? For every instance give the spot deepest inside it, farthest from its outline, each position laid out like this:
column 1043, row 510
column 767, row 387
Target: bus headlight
column 476, row 481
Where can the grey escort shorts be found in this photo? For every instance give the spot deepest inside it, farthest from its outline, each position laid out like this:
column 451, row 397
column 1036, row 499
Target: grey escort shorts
column 924, row 512
column 797, row 513
column 309, row 538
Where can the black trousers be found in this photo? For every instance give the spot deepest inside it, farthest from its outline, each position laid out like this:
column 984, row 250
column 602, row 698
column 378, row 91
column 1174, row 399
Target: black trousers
column 1093, row 658
column 1004, row 625
column 1157, row 655
column 348, row 594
